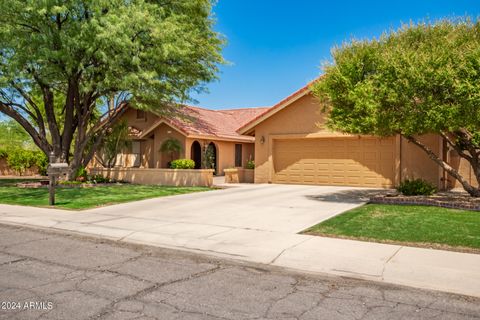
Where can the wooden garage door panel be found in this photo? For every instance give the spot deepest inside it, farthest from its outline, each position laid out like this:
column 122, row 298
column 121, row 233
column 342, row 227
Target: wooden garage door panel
column 335, row 161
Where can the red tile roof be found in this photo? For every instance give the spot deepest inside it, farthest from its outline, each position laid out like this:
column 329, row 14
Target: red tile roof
column 227, row 124
column 196, row 121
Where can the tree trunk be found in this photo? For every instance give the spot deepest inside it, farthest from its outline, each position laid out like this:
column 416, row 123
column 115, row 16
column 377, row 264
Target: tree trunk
column 75, row 165
column 77, row 127
column 473, row 191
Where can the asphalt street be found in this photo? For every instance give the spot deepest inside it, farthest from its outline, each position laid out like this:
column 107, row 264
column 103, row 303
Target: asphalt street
column 50, row 275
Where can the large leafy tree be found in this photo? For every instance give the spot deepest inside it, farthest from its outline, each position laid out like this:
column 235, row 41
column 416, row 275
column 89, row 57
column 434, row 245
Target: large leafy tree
column 61, row 62
column 13, row 135
column 423, row 78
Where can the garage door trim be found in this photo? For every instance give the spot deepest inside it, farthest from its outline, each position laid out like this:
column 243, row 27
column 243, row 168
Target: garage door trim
column 328, row 134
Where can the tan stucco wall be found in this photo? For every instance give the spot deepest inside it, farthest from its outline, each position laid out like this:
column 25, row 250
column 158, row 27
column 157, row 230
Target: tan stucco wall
column 301, row 117
column 165, row 177
column 415, row 162
column 304, row 119
column 131, row 116
column 248, row 153
column 147, row 159
column 239, row 175
column 225, row 152
column 463, row 167
column 188, row 147
column 163, row 133
column 147, row 151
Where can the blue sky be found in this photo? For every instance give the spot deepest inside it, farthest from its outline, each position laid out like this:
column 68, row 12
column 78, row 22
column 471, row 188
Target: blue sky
column 277, row 46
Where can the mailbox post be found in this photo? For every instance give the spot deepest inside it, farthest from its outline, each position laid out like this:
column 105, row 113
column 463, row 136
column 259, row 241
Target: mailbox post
column 54, row 171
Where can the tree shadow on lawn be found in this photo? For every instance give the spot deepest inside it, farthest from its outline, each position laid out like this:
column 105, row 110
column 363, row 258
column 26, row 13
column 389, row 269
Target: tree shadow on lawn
column 101, row 196
column 23, row 196
column 350, row 195
column 64, row 196
column 93, row 195
column 78, row 198
column 11, row 182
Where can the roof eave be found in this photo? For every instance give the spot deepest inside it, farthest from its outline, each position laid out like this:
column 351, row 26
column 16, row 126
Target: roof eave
column 157, row 124
column 247, row 139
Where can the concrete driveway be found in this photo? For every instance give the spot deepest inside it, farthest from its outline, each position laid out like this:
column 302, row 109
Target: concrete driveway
column 255, row 222
column 266, row 207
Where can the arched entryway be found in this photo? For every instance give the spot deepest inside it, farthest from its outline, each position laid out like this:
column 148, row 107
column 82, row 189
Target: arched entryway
column 212, row 154
column 196, row 154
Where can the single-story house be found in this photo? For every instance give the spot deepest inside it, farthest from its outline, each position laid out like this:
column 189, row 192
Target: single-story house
column 293, row 145
column 195, row 129
column 289, row 143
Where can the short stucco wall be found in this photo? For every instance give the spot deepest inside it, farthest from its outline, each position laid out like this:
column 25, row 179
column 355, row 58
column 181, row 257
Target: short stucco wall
column 166, row 177
column 239, row 175
column 248, row 175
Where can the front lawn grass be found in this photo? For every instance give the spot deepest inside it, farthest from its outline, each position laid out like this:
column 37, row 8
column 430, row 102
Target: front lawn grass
column 412, row 225
column 84, row 198
column 12, row 182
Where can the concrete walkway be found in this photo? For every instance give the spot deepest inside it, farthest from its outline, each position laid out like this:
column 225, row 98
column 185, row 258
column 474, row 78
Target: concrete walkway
column 260, row 223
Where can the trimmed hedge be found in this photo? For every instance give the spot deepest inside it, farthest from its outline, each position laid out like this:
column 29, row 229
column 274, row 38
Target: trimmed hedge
column 182, row 164
column 416, row 187
column 20, row 159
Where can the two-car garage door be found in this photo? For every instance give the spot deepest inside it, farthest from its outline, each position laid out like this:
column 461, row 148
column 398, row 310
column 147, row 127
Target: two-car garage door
column 355, row 161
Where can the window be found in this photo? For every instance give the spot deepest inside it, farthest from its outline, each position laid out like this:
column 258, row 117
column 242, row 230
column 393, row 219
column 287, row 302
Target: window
column 141, row 115
column 135, row 155
column 238, row 155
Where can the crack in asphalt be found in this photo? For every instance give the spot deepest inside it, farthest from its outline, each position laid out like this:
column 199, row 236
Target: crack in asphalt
column 202, row 287
column 154, row 287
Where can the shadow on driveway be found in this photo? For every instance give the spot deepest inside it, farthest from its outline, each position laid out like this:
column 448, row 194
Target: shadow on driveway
column 350, row 195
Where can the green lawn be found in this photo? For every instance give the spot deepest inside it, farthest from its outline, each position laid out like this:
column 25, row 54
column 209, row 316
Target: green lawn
column 414, row 225
column 84, row 198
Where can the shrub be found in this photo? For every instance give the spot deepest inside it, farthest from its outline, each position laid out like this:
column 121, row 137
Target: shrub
column 81, row 174
column 20, row 159
column 416, row 187
column 42, row 163
column 182, row 164
column 171, row 146
column 98, row 178
column 68, row 183
column 250, row 164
